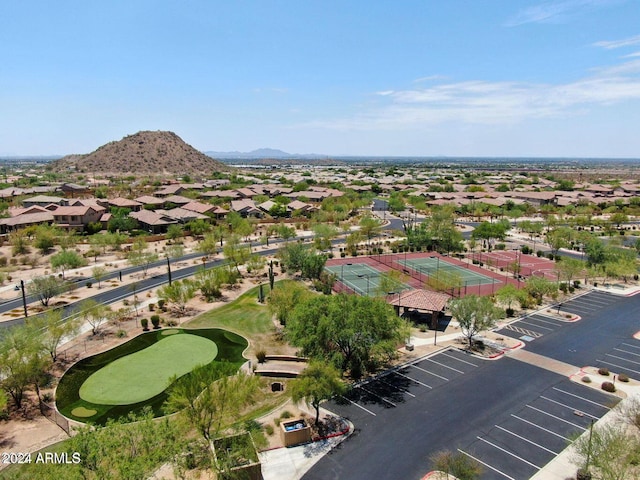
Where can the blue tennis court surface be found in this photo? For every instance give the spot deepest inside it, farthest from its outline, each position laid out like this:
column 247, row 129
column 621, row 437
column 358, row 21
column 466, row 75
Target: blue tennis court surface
column 361, row 278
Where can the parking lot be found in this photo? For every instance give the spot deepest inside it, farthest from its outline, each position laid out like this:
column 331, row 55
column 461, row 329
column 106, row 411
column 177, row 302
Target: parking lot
column 511, row 443
column 624, row 358
column 406, row 383
column 537, row 325
column 535, row 433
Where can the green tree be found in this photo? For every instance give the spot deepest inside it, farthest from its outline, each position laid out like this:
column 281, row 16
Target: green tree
column 369, row 227
column 210, row 398
column 458, row 465
column 568, row 268
column 22, row 362
column 284, row 297
column 209, row 244
column 323, row 235
column 612, row 452
column 235, row 252
column 45, row 238
column 508, row 295
column 66, row 260
column 539, row 287
column 53, row 329
column 474, row 314
column 45, row 288
column 93, row 313
column 174, row 232
column 178, row 293
column 98, row 273
column 558, row 238
column 318, row 382
column 19, row 242
column 355, row 333
column 140, row 256
column 198, row 227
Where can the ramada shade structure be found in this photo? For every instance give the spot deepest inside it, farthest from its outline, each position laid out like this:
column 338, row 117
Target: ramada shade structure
column 421, row 300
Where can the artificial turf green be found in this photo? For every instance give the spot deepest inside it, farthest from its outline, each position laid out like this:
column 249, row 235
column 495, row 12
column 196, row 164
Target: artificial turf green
column 144, row 374
column 230, row 348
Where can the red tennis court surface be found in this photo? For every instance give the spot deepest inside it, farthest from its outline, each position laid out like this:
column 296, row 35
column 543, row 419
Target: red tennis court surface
column 509, row 260
column 487, row 283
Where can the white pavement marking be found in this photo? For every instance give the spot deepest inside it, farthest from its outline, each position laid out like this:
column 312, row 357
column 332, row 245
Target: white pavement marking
column 359, row 406
column 618, row 366
column 622, row 358
column 413, row 380
column 581, row 398
column 508, row 452
column 397, row 388
column 459, row 359
column 536, row 325
column 557, row 418
column 379, row 396
column 526, row 440
column 486, row 464
column 630, row 353
column 569, row 407
column 445, row 366
column 430, row 373
column 544, row 321
column 632, row 346
column 538, row 426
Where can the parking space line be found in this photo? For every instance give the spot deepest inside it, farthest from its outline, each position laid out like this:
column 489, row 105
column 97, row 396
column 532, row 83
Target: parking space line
column 581, row 398
column 379, row 396
column 397, row 388
column 358, row 405
column 621, row 358
column 459, row 359
column 632, row 346
column 618, row 366
column 526, row 440
column 541, row 428
column 413, row 380
column 569, row 407
column 445, row 366
column 535, row 325
column 557, row 418
column 508, row 453
column 430, row 373
column 486, row 464
column 630, row 353
column 545, row 321
column 593, row 300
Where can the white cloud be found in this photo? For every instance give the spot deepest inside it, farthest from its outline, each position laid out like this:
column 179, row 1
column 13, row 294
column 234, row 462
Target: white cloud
column 557, row 11
column 626, row 42
column 494, row 103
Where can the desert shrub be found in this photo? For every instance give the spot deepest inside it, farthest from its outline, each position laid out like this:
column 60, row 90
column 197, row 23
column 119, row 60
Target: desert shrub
column 172, row 323
column 635, row 277
column 89, row 284
column 121, row 333
column 276, row 421
column 268, row 429
column 510, row 312
column 576, row 284
column 261, row 355
column 286, row 414
column 603, row 371
column 586, row 379
column 563, row 287
column 608, row 387
column 539, row 253
column 152, row 307
column 623, row 378
column 155, row 321
column 145, row 324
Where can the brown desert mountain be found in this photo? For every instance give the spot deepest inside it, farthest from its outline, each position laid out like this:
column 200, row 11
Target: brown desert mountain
column 146, row 153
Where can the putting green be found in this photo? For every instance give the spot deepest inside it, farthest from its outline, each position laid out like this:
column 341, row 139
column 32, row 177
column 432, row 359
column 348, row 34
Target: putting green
column 144, row 374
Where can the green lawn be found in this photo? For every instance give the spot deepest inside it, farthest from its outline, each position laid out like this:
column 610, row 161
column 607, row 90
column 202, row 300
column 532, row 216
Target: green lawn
column 144, row 374
column 244, row 315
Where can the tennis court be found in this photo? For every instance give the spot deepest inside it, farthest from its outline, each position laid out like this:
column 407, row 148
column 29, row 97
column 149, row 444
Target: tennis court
column 427, row 267
column 360, row 278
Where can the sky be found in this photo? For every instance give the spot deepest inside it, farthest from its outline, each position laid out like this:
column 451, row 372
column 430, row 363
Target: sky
column 507, row 78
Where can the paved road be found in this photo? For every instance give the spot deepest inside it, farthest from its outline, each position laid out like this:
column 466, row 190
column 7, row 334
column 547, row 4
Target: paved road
column 510, row 415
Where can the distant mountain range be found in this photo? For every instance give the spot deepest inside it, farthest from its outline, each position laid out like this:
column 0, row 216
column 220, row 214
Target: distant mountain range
column 263, row 153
